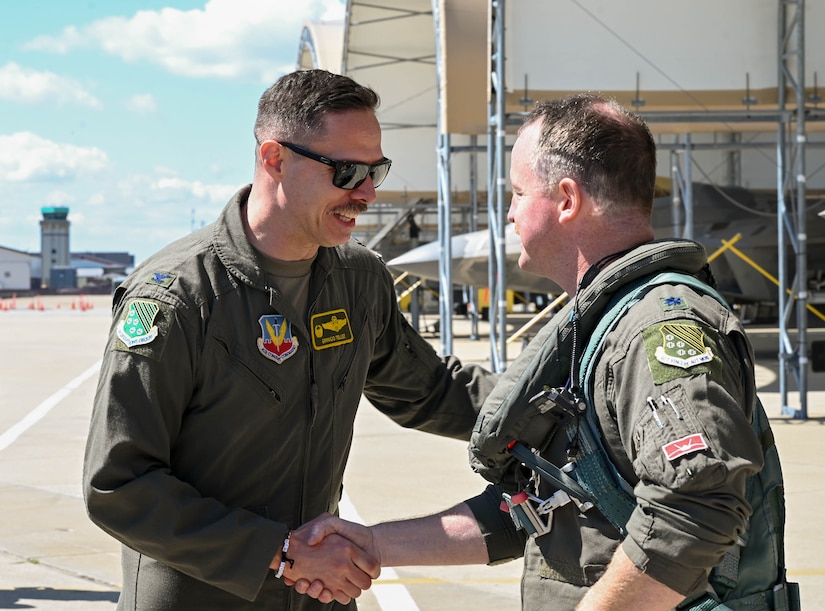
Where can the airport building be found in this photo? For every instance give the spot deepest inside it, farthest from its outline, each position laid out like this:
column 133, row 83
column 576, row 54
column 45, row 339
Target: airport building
column 55, row 268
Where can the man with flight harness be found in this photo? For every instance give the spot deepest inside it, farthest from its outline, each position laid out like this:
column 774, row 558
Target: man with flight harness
column 652, row 481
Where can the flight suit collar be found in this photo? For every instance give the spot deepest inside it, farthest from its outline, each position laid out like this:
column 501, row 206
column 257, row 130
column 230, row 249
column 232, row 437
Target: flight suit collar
column 237, row 254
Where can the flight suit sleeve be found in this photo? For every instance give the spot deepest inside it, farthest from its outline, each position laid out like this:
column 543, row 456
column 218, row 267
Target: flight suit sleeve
column 681, row 392
column 503, row 541
column 144, row 387
column 416, row 388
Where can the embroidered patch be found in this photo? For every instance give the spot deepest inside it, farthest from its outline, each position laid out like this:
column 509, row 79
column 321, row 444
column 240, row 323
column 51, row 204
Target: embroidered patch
column 682, row 346
column 679, row 349
column 673, row 303
column 330, row 329
column 685, row 445
column 276, row 342
column 161, row 279
column 137, row 327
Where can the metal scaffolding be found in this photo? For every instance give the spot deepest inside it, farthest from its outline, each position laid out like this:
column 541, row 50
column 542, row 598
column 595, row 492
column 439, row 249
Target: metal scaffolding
column 791, row 62
column 791, row 143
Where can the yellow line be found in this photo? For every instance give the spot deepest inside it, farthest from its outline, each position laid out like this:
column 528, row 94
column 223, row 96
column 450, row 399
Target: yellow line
column 807, row 572
column 757, row 267
column 435, row 580
column 418, row 581
column 727, row 245
column 536, row 318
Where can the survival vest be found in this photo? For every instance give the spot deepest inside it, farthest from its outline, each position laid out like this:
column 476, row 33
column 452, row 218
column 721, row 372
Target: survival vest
column 758, row 559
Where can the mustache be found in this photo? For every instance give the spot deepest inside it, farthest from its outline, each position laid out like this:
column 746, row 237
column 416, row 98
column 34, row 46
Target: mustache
column 353, row 207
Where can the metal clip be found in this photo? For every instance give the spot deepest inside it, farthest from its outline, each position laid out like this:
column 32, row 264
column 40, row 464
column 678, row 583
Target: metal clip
column 534, row 515
column 524, row 515
column 557, row 399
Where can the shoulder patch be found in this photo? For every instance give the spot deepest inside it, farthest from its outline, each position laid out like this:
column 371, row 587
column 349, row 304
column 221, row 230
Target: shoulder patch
column 137, row 327
column 143, row 327
column 161, row 279
column 677, row 349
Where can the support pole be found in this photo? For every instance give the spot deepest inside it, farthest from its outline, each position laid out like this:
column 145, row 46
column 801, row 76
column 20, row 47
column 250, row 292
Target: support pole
column 445, row 260
column 495, row 201
column 791, row 51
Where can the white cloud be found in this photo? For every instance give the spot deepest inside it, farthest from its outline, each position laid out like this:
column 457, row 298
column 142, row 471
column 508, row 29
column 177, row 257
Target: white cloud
column 142, row 104
column 20, row 84
column 174, row 187
column 225, row 39
column 26, row 157
column 96, row 200
column 58, row 198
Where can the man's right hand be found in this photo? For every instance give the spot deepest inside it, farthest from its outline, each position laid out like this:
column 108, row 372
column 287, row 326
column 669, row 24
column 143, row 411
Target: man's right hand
column 328, row 566
column 328, row 530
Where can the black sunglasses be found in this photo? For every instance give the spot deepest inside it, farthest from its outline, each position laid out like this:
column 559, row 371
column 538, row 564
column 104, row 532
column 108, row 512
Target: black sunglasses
column 348, row 174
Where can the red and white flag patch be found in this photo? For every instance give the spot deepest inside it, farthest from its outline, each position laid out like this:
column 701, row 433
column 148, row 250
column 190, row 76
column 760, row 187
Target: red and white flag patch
column 685, row 445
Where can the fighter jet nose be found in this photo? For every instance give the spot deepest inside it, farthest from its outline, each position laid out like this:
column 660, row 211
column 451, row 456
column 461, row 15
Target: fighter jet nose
column 426, row 253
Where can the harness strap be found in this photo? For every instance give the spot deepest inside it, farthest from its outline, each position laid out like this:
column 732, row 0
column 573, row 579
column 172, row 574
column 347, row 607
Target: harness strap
column 549, row 471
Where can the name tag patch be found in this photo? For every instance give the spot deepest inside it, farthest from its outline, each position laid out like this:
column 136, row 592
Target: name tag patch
column 330, row 329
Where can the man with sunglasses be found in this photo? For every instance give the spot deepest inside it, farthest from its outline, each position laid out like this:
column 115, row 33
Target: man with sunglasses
column 235, row 364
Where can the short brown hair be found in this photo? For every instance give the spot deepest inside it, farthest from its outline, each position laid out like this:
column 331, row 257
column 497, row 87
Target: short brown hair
column 295, row 105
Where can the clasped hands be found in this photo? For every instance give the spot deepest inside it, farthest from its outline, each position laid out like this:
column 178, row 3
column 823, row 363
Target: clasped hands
column 334, row 559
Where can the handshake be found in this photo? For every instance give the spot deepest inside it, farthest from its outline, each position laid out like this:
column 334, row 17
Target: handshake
column 332, row 559
column 337, row 560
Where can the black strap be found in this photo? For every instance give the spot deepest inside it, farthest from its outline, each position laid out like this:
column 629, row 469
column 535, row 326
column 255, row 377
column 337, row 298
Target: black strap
column 549, row 471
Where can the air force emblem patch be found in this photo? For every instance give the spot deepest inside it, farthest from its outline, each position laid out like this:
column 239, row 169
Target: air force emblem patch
column 682, row 346
column 330, row 329
column 276, row 342
column 137, row 327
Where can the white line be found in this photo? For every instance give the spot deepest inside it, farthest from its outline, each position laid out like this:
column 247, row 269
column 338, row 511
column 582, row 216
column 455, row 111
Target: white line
column 392, row 596
column 11, row 435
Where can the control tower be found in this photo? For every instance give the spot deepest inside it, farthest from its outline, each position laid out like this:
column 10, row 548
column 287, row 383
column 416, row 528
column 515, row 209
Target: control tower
column 54, row 241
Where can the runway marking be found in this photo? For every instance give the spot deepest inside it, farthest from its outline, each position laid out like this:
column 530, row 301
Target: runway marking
column 388, row 590
column 435, row 581
column 34, row 416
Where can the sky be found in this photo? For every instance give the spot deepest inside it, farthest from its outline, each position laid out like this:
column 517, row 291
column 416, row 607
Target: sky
column 137, row 115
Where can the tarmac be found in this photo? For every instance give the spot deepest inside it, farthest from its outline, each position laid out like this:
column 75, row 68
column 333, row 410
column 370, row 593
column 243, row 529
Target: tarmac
column 52, row 557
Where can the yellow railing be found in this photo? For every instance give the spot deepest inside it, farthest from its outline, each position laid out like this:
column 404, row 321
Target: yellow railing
column 729, row 245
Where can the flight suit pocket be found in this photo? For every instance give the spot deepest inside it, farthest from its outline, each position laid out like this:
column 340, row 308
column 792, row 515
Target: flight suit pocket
column 231, row 366
column 672, row 446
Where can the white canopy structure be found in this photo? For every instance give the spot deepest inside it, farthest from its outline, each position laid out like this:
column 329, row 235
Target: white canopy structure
column 724, row 86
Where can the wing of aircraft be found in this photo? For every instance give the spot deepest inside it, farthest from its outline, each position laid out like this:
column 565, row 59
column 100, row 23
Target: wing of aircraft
column 471, row 254
column 719, row 213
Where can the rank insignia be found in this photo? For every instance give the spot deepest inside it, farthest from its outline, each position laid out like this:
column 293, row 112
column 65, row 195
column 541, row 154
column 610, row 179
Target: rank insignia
column 682, row 346
column 685, row 445
column 673, row 303
column 161, row 279
column 330, row 329
column 137, row 327
column 276, row 342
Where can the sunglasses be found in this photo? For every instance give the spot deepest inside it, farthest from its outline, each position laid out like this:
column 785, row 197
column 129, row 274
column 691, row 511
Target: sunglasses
column 348, row 174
